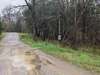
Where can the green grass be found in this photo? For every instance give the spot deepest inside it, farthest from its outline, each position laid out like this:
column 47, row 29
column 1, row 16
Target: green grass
column 83, row 59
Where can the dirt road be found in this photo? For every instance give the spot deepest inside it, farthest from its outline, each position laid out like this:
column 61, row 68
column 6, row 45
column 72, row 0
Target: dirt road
column 14, row 57
column 17, row 58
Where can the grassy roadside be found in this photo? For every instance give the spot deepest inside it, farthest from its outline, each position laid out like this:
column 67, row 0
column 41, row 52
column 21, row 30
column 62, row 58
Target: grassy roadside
column 82, row 59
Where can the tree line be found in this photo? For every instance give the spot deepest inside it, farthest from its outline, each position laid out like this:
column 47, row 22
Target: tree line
column 73, row 22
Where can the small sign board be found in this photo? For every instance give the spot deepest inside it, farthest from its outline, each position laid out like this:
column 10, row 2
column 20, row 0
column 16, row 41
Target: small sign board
column 59, row 37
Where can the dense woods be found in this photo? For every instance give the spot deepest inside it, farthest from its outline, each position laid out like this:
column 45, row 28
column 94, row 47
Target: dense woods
column 73, row 22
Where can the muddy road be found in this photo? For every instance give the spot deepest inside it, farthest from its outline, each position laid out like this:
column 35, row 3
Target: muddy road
column 17, row 58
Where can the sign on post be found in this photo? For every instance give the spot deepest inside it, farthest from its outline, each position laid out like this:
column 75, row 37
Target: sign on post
column 59, row 37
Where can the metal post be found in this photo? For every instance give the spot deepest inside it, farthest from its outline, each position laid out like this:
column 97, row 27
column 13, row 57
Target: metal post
column 59, row 29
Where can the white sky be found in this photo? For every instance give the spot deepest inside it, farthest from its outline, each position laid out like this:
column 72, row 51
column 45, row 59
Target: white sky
column 4, row 3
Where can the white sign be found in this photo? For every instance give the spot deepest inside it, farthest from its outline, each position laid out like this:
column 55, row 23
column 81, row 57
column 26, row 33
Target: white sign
column 59, row 37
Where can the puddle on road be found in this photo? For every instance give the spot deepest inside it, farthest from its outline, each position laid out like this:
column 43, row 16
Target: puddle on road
column 27, row 60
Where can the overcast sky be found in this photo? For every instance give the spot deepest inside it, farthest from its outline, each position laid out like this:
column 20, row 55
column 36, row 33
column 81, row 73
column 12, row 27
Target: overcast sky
column 4, row 3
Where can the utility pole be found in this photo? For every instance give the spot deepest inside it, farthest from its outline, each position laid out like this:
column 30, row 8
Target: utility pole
column 75, row 24
column 59, row 30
